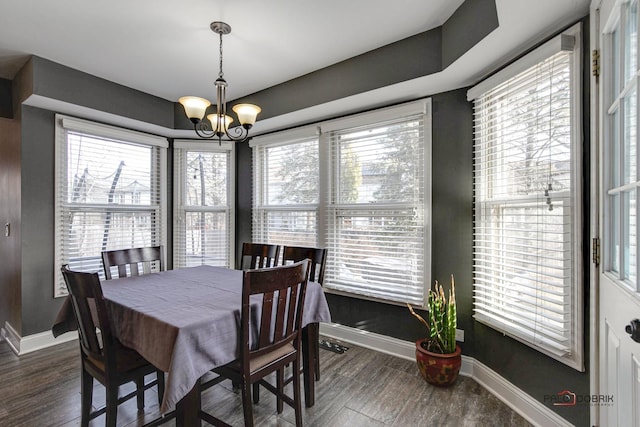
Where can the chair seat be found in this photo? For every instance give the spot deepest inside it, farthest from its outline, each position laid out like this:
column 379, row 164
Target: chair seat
column 271, row 357
column 127, row 360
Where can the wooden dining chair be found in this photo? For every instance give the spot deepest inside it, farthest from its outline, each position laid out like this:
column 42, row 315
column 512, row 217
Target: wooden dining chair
column 131, row 260
column 274, row 343
column 259, row 255
column 318, row 258
column 102, row 356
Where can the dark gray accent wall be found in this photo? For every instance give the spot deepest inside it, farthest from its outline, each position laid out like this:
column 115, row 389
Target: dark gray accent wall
column 35, row 308
column 472, row 22
column 420, row 55
column 56, row 81
column 244, row 196
column 39, row 307
column 6, row 103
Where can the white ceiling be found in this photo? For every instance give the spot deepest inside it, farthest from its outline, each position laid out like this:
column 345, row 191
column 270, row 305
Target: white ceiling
column 165, row 47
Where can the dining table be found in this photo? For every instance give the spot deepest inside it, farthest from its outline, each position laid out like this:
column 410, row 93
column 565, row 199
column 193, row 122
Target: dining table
column 186, row 322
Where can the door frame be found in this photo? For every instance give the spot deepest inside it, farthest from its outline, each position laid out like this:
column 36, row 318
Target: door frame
column 595, row 148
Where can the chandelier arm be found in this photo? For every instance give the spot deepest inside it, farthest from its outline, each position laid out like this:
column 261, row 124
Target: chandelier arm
column 237, row 134
column 203, row 130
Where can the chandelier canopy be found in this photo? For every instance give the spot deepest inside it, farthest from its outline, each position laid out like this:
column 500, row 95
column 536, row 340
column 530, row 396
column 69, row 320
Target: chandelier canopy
column 217, row 124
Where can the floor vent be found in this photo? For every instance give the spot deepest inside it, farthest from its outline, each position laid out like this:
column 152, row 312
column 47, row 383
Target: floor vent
column 331, row 346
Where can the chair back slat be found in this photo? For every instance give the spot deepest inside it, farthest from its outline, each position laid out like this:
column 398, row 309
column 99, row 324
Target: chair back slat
column 282, row 289
column 91, row 314
column 128, row 261
column 259, row 255
column 318, row 257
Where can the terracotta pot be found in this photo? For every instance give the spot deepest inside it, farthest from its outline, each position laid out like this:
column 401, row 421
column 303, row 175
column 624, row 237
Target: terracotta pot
column 438, row 369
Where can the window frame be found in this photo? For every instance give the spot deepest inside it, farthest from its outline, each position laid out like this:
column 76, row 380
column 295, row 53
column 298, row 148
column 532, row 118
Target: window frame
column 65, row 124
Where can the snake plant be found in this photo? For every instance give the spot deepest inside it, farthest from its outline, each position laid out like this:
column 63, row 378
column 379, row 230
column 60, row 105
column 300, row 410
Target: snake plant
column 442, row 322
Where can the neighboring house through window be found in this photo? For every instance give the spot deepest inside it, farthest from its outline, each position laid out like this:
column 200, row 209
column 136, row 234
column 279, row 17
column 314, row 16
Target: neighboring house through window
column 110, row 193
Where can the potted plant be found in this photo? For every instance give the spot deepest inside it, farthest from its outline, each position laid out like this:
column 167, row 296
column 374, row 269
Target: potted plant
column 437, row 355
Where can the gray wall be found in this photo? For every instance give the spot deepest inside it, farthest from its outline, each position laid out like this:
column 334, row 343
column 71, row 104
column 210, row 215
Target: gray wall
column 33, row 308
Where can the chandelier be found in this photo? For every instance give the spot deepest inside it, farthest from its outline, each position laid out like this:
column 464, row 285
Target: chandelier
column 217, row 124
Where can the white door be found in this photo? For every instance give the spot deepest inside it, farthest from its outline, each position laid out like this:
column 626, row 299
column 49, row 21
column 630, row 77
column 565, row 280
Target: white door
column 618, row 285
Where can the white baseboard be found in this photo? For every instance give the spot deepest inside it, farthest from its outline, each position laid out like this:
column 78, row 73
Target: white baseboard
column 525, row 405
column 23, row 345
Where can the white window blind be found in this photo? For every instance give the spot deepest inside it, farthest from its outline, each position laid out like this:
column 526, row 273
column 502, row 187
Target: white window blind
column 203, row 204
column 377, row 205
column 358, row 186
column 110, row 193
column 527, row 228
column 286, row 188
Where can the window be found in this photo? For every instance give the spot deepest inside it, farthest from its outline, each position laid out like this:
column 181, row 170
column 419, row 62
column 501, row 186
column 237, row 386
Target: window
column 204, row 214
column 110, row 193
column 361, row 190
column 286, row 189
column 528, row 205
column 621, row 173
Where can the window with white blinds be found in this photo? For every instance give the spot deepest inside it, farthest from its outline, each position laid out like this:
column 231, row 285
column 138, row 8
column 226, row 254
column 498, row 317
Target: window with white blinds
column 203, row 204
column 376, row 230
column 286, row 188
column 527, row 269
column 110, row 193
column 362, row 190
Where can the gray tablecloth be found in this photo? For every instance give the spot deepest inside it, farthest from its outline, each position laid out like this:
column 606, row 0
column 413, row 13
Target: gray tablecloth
column 183, row 321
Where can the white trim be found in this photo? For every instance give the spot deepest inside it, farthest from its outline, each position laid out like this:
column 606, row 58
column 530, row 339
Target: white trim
column 291, row 135
column 94, row 128
column 522, row 403
column 23, row 345
column 421, row 106
column 562, row 42
column 529, row 408
column 206, row 145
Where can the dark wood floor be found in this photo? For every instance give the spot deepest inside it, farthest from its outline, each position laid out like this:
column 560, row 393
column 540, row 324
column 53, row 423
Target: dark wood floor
column 358, row 388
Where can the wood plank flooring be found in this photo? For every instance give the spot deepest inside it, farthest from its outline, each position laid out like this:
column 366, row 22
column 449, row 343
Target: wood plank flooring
column 358, row 388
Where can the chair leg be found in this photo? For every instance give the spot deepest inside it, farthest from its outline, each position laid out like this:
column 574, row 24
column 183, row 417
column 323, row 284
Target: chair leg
column 247, row 406
column 256, row 393
column 112, row 405
column 296, row 392
column 316, row 349
column 140, row 393
column 280, row 387
column 86, row 391
column 160, row 375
